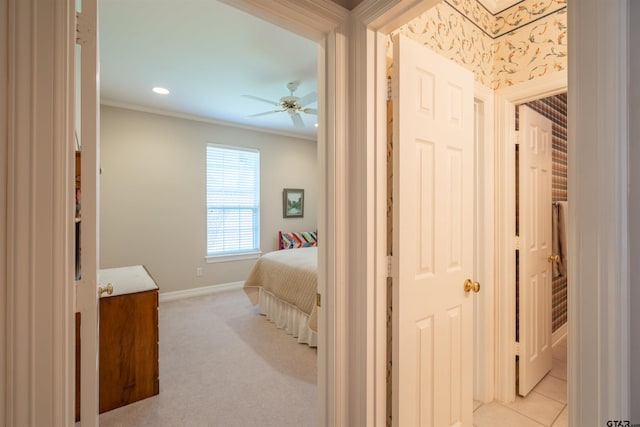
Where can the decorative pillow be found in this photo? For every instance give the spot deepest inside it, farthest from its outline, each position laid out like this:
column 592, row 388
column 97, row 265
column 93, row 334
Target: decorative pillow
column 293, row 240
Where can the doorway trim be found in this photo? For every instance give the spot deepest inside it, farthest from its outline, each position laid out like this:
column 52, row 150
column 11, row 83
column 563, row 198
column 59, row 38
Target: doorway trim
column 505, row 321
column 371, row 23
column 325, row 23
column 598, row 183
column 485, row 249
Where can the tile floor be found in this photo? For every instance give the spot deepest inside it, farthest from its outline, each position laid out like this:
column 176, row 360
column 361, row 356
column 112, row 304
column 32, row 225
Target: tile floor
column 546, row 405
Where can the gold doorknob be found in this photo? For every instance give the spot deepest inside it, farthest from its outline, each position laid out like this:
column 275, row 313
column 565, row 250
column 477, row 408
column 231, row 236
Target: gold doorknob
column 470, row 285
column 553, row 258
column 108, row 289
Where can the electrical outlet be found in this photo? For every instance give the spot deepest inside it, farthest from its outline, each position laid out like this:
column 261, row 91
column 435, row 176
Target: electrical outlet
column 199, row 272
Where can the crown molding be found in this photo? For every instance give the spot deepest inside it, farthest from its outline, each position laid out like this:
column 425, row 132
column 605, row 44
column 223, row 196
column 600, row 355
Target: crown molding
column 497, row 6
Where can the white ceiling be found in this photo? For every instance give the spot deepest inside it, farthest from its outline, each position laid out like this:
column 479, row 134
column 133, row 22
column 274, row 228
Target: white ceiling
column 208, row 55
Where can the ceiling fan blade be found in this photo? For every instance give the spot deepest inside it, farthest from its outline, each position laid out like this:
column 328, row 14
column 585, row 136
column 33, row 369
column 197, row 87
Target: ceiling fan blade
column 310, row 111
column 297, row 120
column 257, row 98
column 308, row 99
column 265, row 113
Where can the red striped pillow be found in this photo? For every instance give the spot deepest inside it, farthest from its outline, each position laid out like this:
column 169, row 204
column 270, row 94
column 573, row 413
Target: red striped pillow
column 292, row 240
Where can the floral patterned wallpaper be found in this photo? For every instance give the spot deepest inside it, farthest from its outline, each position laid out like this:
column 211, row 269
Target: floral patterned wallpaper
column 446, row 31
column 520, row 43
column 524, row 13
column 531, row 51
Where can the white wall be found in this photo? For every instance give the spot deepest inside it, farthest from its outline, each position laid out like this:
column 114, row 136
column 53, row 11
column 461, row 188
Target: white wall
column 153, row 194
column 634, row 208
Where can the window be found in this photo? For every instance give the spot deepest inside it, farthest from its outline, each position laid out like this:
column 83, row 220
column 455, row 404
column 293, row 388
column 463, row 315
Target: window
column 233, row 200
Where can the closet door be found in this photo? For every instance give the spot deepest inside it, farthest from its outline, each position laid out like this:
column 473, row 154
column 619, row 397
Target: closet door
column 433, row 238
column 535, row 249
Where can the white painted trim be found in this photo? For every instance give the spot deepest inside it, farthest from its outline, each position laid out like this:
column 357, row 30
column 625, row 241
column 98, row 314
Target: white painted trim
column 87, row 298
column 559, row 334
column 542, row 87
column 325, row 22
column 505, row 258
column 598, row 258
column 484, row 256
column 505, row 102
column 196, row 292
column 36, row 116
column 379, row 380
column 385, row 17
column 212, row 259
column 314, row 20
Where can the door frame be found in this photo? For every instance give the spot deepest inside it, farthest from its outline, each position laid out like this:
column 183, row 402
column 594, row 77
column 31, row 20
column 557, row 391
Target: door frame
column 505, row 103
column 598, row 181
column 485, row 249
column 372, row 21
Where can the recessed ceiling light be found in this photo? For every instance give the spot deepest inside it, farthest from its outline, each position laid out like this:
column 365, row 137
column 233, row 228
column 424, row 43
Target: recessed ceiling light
column 161, row 90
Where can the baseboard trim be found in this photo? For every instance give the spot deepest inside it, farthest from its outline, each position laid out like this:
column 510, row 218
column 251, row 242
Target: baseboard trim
column 559, row 334
column 204, row 290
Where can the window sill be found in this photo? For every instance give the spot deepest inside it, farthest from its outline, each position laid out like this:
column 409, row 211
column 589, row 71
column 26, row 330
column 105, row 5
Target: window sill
column 234, row 257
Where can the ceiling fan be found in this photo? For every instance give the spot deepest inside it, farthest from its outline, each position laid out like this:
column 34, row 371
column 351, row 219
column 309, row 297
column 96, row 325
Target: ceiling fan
column 291, row 104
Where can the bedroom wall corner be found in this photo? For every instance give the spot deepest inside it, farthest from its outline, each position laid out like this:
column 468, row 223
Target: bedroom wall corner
column 153, row 194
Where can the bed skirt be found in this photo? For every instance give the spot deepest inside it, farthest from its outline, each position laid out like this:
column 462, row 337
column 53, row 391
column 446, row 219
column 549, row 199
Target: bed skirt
column 287, row 317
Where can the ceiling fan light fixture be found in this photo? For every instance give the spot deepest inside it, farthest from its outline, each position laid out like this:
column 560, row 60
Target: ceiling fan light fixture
column 290, row 104
column 160, row 90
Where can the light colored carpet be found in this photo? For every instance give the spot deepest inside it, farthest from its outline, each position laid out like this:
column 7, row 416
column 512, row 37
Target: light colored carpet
column 222, row 364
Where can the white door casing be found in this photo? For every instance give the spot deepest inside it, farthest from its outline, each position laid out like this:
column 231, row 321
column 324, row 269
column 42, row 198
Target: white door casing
column 433, row 206
column 535, row 248
column 86, row 288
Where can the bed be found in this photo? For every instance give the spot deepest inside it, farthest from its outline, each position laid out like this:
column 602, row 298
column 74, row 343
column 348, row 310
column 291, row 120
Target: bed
column 283, row 284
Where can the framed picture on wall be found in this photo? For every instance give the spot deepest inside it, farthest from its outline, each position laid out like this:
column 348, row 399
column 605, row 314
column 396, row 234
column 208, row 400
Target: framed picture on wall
column 292, row 203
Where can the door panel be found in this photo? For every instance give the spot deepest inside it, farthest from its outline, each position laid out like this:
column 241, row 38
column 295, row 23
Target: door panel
column 433, row 176
column 535, row 247
column 87, row 283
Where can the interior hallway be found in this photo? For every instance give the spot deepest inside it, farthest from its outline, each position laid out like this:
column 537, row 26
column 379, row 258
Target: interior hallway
column 546, row 405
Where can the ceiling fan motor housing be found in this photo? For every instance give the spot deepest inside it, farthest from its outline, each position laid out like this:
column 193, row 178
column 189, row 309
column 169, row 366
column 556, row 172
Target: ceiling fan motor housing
column 290, row 103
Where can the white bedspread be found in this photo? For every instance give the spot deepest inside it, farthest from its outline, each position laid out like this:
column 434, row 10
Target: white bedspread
column 284, row 284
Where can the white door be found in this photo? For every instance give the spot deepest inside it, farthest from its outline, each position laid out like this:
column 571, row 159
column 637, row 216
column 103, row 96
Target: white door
column 87, row 133
column 433, row 174
column 535, row 249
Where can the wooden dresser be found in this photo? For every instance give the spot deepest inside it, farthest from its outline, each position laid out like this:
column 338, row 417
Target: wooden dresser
column 128, row 338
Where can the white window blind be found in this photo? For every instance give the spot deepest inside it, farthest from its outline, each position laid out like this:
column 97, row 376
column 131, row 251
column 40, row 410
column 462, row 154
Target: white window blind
column 233, row 200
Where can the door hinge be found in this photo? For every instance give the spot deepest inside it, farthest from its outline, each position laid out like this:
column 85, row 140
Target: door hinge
column 389, row 89
column 517, row 137
column 389, row 265
column 85, row 31
column 516, row 242
column 318, row 300
column 516, row 348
